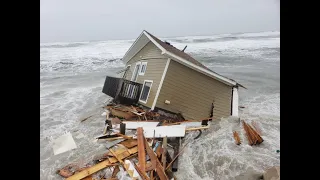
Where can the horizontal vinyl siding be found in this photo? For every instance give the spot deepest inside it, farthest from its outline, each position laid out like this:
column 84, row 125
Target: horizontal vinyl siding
column 191, row 93
column 154, row 69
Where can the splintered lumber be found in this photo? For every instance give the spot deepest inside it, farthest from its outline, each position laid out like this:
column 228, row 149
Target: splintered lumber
column 133, row 150
column 141, row 149
column 124, row 165
column 164, row 151
column 253, row 137
column 88, row 171
column 149, row 166
column 124, row 136
column 236, row 137
column 142, row 174
column 121, row 114
column 130, row 172
column 256, row 127
column 129, row 143
column 123, row 153
column 259, row 138
column 155, row 161
column 115, row 171
column 245, row 127
column 159, row 150
column 197, row 128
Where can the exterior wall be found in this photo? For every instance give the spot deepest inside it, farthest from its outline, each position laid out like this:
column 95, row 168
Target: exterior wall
column 154, row 69
column 191, row 93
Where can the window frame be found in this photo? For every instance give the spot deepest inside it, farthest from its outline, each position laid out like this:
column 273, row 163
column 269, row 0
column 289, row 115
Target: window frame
column 144, row 82
column 143, row 63
column 135, row 71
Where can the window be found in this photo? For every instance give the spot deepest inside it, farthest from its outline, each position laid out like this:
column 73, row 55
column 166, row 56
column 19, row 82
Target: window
column 143, row 68
column 145, row 91
column 136, row 72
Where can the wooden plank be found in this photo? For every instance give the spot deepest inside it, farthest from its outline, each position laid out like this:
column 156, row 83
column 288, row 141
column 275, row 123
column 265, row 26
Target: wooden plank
column 133, row 150
column 256, row 127
column 247, row 133
column 236, row 137
column 90, row 170
column 142, row 173
column 123, row 155
column 151, row 155
column 141, row 149
column 117, row 151
column 164, row 151
column 129, row 143
column 121, row 114
column 159, row 151
column 197, row 128
column 160, row 170
column 149, row 166
column 124, row 136
column 113, row 160
column 259, row 138
column 115, row 171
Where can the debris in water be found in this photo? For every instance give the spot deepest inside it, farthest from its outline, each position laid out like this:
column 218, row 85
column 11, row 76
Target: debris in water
column 63, row 144
column 236, row 137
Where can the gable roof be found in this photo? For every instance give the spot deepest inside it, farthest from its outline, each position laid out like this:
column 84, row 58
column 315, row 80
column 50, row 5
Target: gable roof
column 177, row 52
column 177, row 55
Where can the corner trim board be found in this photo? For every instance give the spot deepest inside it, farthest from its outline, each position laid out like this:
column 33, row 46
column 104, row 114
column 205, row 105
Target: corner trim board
column 235, row 102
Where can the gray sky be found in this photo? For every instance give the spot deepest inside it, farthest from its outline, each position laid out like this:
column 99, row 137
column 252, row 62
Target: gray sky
column 85, row 20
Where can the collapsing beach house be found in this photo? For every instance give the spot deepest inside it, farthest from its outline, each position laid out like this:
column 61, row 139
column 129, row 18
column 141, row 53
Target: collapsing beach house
column 162, row 77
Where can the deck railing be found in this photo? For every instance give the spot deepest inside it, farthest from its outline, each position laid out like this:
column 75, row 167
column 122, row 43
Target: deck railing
column 123, row 91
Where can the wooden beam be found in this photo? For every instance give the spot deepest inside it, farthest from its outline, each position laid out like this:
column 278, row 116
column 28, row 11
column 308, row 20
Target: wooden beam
column 129, row 143
column 115, row 171
column 141, row 149
column 160, row 170
column 142, row 174
column 90, row 170
column 198, row 128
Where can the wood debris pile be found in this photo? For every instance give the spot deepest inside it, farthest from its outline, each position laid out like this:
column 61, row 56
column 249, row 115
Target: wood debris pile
column 146, row 145
column 253, row 134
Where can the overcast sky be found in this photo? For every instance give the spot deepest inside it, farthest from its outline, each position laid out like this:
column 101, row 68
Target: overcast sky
column 85, row 20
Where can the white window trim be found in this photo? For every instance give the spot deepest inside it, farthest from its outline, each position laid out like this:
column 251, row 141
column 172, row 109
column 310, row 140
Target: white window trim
column 142, row 73
column 145, row 102
column 134, row 71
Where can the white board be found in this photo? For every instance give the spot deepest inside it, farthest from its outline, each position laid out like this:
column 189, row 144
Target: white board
column 63, row 143
column 191, row 124
column 162, row 131
column 135, row 125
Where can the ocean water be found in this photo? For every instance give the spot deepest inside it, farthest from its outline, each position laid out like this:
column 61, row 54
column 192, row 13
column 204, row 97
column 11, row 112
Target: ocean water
column 71, row 80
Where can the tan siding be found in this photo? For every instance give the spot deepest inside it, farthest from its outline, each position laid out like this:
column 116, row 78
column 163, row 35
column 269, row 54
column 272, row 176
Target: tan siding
column 154, row 69
column 192, row 93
